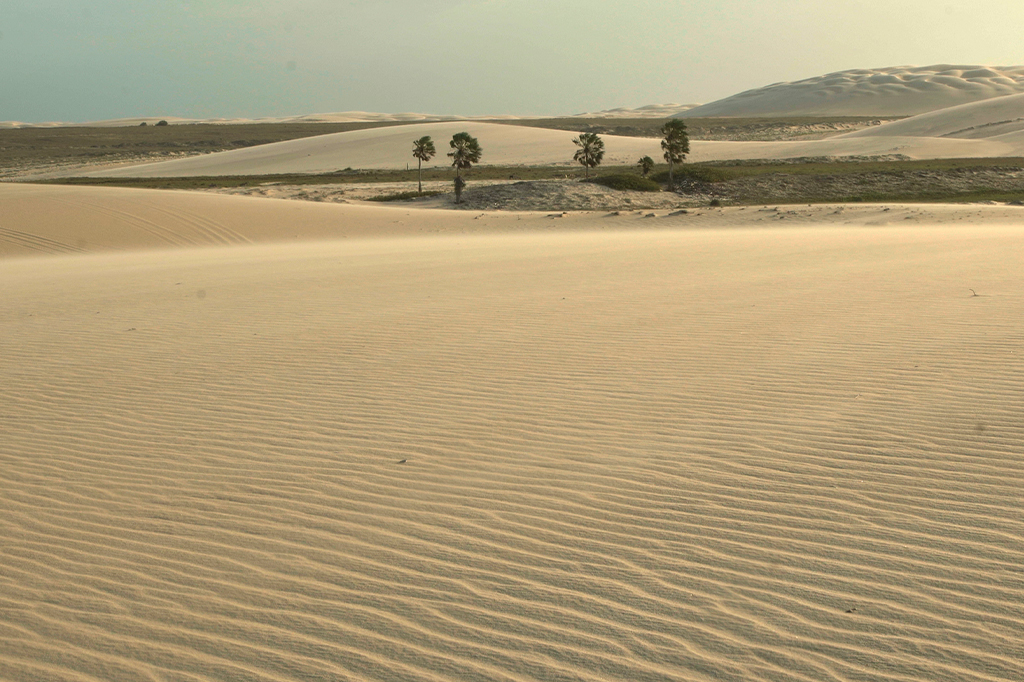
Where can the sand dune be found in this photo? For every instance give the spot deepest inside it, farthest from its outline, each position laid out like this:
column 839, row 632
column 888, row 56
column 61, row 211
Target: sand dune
column 893, row 91
column 389, row 148
column 647, row 111
column 50, row 219
column 988, row 119
column 40, row 220
column 337, row 117
column 658, row 454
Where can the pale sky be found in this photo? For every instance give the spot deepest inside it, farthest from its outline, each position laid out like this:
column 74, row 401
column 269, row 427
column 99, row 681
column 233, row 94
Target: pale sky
column 81, row 60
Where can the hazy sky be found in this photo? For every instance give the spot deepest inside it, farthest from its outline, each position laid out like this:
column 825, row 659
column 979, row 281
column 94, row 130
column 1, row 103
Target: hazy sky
column 79, row 60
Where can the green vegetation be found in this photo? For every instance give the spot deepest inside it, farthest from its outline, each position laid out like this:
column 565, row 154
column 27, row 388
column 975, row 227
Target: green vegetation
column 590, row 152
column 627, row 181
column 423, row 150
column 646, row 165
column 697, row 173
column 734, row 182
column 818, row 166
column 675, row 145
column 767, row 128
column 465, row 152
column 341, row 177
column 404, row 196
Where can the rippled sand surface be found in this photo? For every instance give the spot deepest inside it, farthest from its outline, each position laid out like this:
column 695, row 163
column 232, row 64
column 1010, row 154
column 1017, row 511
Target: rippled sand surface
column 677, row 454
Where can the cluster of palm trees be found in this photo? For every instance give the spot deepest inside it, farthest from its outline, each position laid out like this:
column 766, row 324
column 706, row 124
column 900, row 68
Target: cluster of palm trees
column 465, row 151
column 675, row 145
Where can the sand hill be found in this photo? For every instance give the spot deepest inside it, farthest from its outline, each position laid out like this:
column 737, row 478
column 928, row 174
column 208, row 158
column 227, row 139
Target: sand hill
column 999, row 119
column 238, row 446
column 893, row 91
column 520, row 145
column 392, row 148
column 647, row 111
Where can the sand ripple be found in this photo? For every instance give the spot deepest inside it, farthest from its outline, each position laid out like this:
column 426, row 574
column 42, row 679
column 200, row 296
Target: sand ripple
column 730, row 455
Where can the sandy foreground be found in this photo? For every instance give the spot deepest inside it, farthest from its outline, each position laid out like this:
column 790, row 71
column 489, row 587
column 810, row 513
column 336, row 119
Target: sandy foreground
column 248, row 439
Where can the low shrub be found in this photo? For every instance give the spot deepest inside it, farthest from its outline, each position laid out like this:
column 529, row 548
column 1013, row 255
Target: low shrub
column 403, row 196
column 626, row 181
column 694, row 173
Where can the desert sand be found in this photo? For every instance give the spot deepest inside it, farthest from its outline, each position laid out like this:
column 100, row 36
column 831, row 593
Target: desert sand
column 986, row 129
column 999, row 118
column 890, row 91
column 646, row 111
column 391, row 148
column 251, row 439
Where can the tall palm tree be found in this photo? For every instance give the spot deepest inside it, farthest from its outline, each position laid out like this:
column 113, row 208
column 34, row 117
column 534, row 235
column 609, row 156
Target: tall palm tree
column 676, row 144
column 423, row 150
column 590, row 152
column 465, row 152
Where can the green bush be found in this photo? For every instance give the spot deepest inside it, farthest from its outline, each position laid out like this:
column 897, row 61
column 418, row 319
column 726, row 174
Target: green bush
column 162, row 123
column 403, row 196
column 626, row 181
column 697, row 173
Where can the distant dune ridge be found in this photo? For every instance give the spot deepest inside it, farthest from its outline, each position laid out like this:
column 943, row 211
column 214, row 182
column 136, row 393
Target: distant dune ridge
column 646, row 111
column 967, row 112
column 891, row 91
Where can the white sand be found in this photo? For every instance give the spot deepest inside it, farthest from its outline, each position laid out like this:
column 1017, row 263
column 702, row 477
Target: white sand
column 993, row 128
column 391, row 147
column 54, row 219
column 646, row 111
column 675, row 453
column 892, row 91
column 996, row 118
column 387, row 148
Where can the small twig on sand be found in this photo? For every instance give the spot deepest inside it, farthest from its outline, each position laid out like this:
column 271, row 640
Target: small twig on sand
column 973, row 293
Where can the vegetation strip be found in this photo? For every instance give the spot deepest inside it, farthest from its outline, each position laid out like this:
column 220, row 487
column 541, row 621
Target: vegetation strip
column 733, row 183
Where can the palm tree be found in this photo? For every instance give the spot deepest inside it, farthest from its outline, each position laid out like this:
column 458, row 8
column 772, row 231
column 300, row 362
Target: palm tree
column 422, row 150
column 465, row 152
column 646, row 165
column 676, row 144
column 590, row 152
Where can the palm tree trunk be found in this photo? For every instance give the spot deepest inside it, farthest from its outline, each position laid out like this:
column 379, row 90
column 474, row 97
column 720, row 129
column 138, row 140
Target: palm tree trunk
column 419, row 173
column 670, row 181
